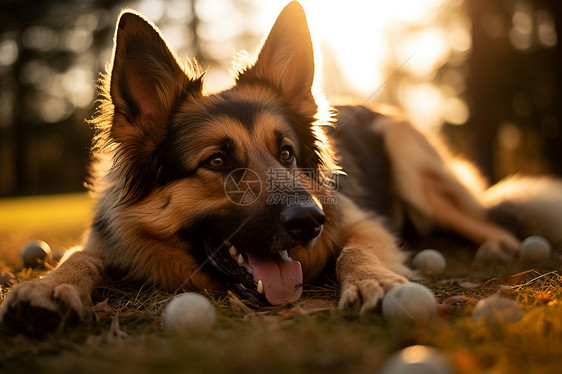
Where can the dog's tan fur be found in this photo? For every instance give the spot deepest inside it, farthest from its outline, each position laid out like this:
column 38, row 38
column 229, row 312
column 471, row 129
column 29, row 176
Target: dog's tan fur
column 139, row 232
column 430, row 189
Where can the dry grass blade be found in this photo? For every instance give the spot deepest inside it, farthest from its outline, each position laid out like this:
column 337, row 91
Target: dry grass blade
column 237, row 304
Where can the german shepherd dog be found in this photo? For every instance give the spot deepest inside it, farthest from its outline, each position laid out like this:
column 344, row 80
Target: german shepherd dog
column 260, row 188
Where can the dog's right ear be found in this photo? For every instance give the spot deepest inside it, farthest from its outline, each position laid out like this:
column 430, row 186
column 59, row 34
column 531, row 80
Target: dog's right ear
column 146, row 82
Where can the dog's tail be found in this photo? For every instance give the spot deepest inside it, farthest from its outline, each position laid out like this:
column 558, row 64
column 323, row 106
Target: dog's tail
column 527, row 206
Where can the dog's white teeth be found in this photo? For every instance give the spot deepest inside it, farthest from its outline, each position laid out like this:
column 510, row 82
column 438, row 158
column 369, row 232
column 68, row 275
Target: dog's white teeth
column 260, row 287
column 285, row 255
column 232, row 251
column 240, row 259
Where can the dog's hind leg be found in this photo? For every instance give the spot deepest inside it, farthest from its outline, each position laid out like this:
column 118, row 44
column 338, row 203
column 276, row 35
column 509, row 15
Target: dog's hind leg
column 431, row 191
column 527, row 206
column 64, row 293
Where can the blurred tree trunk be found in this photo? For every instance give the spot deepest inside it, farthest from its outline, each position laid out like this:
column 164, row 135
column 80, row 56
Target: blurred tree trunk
column 16, row 17
column 484, row 83
column 20, row 126
column 554, row 144
column 514, row 84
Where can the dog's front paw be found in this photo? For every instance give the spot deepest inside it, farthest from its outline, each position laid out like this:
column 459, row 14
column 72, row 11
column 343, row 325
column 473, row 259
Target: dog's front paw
column 498, row 249
column 44, row 304
column 365, row 294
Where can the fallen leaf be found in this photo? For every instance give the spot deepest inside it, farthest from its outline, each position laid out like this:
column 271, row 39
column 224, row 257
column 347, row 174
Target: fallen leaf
column 505, row 290
column 469, row 285
column 465, row 361
column 543, row 297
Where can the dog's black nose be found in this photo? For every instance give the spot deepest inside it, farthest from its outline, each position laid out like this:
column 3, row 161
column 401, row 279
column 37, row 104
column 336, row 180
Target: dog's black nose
column 303, row 222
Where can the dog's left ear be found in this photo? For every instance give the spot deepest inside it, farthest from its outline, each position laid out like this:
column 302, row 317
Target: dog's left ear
column 286, row 60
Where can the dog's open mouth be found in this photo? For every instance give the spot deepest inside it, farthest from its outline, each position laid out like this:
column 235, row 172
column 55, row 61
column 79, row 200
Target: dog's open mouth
column 276, row 278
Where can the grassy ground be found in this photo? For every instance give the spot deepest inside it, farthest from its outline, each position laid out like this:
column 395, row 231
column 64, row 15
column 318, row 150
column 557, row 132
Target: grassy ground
column 309, row 337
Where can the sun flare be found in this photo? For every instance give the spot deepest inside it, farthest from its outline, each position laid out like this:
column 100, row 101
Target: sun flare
column 360, row 47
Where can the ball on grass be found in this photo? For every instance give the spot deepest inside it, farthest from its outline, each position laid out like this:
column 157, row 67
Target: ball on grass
column 189, row 313
column 35, row 253
column 409, row 302
column 418, row 359
column 496, row 310
column 535, row 248
column 429, row 261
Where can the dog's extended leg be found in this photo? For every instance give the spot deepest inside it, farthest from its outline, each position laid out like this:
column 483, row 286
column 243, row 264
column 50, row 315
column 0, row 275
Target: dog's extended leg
column 63, row 293
column 369, row 264
column 429, row 187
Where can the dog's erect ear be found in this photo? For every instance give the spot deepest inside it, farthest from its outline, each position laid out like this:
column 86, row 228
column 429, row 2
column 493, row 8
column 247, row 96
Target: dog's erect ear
column 286, row 59
column 146, row 81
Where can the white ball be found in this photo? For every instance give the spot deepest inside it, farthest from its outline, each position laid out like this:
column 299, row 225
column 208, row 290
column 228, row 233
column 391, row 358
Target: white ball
column 418, row 359
column 36, row 253
column 496, row 310
column 409, row 302
column 189, row 313
column 535, row 248
column 429, row 261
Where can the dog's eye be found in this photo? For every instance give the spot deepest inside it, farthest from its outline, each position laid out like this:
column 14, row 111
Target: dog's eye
column 286, row 153
column 216, row 160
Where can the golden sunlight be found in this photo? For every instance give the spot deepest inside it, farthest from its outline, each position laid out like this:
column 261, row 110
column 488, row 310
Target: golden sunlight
column 365, row 48
column 415, row 354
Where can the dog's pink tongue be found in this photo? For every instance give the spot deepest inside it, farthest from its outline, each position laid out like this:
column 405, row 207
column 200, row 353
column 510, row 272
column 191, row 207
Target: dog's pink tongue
column 282, row 278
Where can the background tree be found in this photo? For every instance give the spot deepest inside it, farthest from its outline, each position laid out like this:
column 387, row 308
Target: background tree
column 486, row 74
column 514, row 86
column 50, row 55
